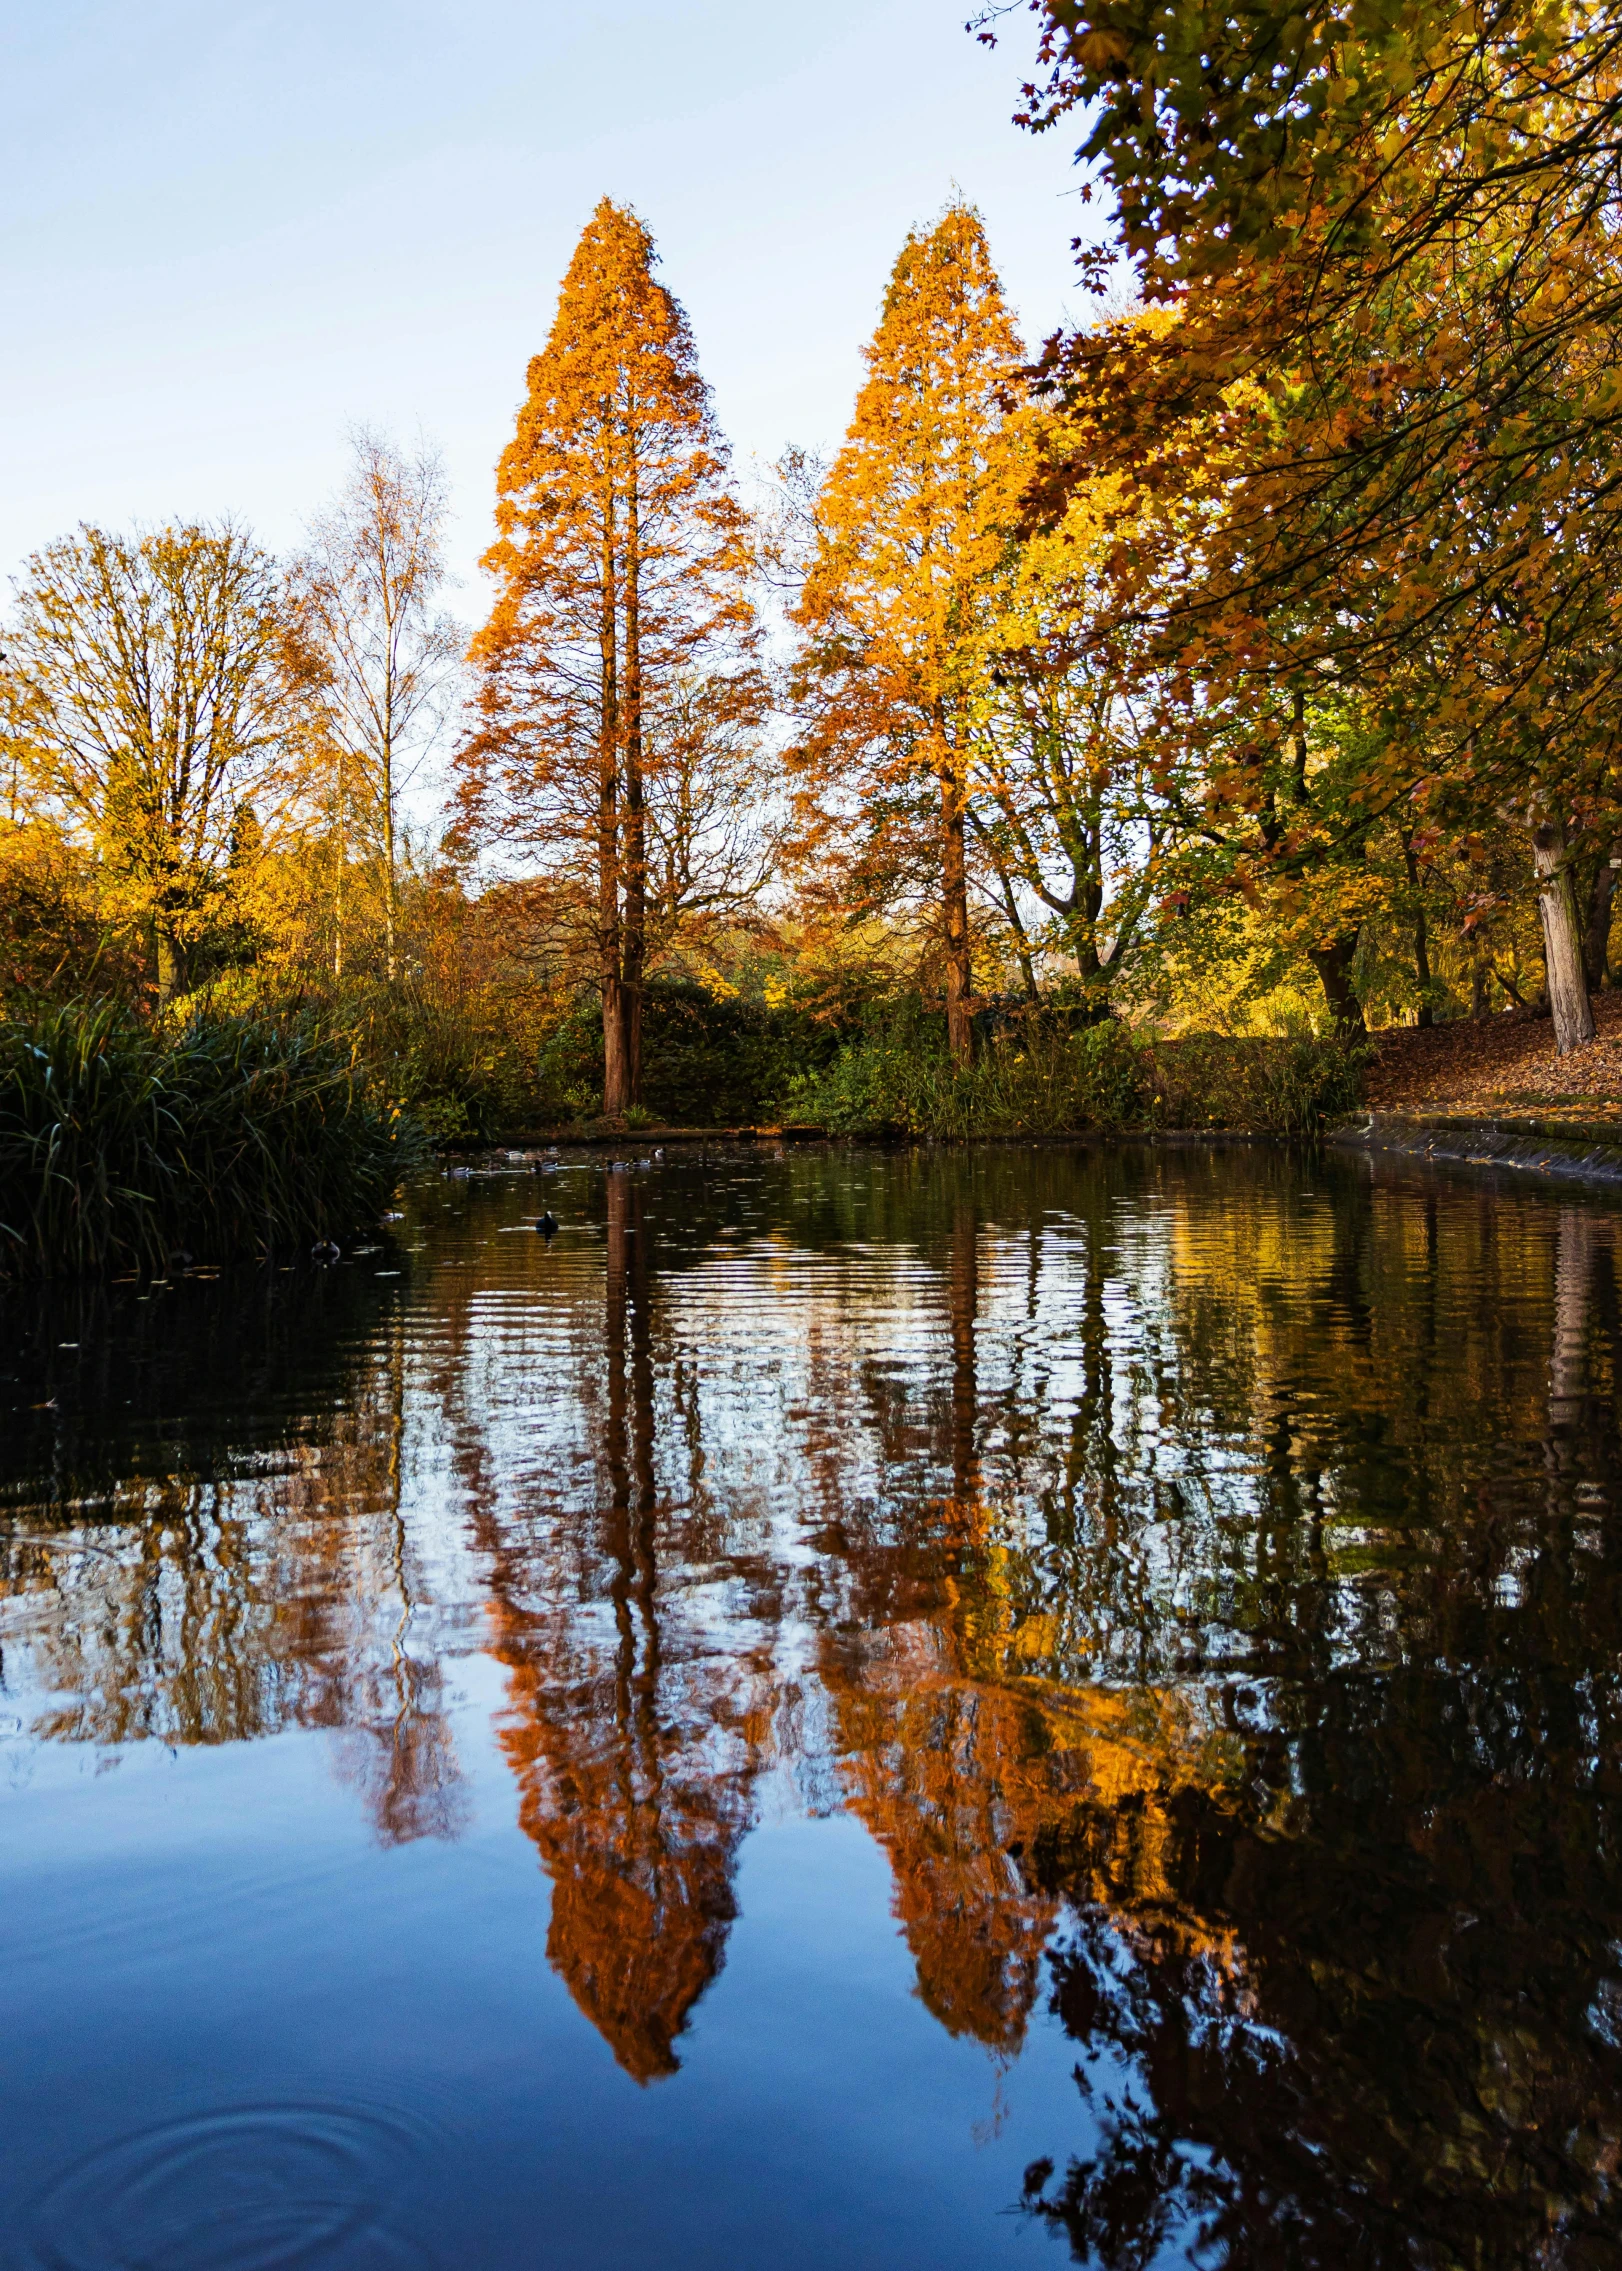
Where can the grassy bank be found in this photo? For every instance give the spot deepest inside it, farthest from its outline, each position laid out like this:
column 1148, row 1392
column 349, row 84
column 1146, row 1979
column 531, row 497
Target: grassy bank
column 120, row 1143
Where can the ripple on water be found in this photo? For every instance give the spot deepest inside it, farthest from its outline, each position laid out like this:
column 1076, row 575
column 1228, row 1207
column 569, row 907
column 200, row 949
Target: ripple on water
column 256, row 2188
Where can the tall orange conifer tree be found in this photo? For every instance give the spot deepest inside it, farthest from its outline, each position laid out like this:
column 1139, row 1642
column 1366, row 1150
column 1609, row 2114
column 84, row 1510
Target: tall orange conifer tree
column 896, row 600
column 623, row 565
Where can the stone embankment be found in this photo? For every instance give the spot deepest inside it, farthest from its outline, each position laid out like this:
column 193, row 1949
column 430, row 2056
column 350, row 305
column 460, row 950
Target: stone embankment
column 1561, row 1149
column 1494, row 1092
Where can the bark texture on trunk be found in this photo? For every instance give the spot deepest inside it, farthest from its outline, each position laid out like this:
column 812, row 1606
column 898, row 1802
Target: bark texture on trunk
column 338, row 877
column 1562, row 939
column 616, row 1070
column 170, row 968
column 955, row 912
column 1597, row 935
column 1422, row 950
column 634, row 954
column 391, row 893
column 610, row 934
column 1333, row 964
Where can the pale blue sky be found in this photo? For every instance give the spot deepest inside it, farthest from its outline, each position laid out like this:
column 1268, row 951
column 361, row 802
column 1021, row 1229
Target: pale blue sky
column 230, row 230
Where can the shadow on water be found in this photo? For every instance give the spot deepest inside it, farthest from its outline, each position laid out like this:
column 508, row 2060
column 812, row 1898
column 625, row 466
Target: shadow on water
column 1198, row 1575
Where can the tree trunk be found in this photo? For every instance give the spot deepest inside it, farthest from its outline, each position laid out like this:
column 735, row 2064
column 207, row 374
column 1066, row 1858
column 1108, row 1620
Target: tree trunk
column 390, row 892
column 955, row 911
column 1333, row 964
column 1426, row 1014
column 1562, row 939
column 1597, row 936
column 616, row 1072
column 341, row 836
column 1016, row 928
column 634, row 955
column 169, row 966
column 1422, row 957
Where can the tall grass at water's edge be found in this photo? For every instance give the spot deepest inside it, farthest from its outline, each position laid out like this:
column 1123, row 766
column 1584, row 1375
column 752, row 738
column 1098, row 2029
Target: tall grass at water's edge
column 229, row 1136
column 1047, row 1081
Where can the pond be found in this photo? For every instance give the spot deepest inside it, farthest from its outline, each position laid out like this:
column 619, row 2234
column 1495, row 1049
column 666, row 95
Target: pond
column 852, row 1708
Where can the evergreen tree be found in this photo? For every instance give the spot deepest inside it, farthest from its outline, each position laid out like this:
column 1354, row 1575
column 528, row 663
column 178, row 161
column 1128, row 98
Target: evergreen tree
column 898, row 593
column 623, row 565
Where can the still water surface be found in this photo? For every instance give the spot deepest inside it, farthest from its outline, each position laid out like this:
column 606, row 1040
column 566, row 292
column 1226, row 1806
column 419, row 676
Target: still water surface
column 855, row 1709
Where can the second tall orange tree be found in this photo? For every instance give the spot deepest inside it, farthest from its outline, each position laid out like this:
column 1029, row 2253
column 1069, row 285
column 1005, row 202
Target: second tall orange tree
column 897, row 599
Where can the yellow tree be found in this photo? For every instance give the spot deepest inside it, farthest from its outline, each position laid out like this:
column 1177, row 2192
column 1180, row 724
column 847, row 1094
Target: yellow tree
column 623, row 566
column 909, row 540
column 1074, row 808
column 161, row 697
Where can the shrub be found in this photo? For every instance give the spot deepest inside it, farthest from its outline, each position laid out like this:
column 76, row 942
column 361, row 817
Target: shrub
column 708, row 1060
column 1285, row 1088
column 1037, row 1076
column 229, row 1136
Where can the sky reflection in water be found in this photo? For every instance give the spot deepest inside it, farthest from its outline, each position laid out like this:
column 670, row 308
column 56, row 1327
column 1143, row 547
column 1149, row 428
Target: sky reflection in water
column 861, row 1708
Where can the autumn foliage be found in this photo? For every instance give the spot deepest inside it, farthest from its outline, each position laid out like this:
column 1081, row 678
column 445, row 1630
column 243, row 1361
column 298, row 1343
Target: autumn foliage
column 911, row 528
column 1244, row 664
column 623, row 621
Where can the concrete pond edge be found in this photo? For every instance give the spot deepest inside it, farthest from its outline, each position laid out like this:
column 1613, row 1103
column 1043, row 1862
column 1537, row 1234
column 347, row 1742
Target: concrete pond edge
column 1567, row 1151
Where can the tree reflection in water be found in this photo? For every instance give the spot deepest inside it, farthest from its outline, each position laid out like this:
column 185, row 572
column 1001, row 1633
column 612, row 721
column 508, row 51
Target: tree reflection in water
column 223, row 1553
column 636, row 1740
column 1199, row 1575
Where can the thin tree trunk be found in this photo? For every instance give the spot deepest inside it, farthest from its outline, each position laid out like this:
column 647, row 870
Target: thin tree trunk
column 1562, row 939
column 390, row 918
column 1090, row 970
column 636, row 843
column 616, row 1086
column 338, row 880
column 955, row 910
column 386, row 782
column 168, row 961
column 1422, row 958
column 1022, row 944
column 1333, row 964
column 616, row 1445
column 1597, row 936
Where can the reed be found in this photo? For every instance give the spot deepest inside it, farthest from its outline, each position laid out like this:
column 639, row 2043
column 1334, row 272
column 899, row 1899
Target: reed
column 229, row 1136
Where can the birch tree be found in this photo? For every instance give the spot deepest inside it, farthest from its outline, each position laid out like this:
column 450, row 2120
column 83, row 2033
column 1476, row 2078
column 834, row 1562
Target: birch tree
column 371, row 575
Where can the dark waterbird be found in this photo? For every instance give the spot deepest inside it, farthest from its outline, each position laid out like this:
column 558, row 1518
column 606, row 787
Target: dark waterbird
column 326, row 1251
column 547, row 1224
